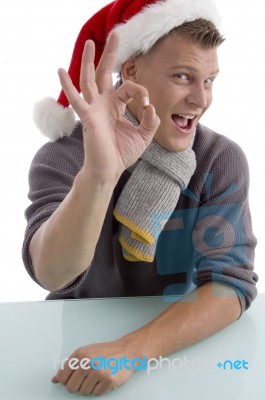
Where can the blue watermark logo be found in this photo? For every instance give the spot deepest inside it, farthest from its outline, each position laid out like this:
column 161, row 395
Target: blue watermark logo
column 233, row 365
column 204, row 241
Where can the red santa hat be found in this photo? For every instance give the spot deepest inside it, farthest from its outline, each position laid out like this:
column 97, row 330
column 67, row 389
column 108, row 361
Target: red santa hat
column 140, row 24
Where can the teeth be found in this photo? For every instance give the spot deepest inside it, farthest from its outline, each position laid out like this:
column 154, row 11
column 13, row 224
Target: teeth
column 187, row 116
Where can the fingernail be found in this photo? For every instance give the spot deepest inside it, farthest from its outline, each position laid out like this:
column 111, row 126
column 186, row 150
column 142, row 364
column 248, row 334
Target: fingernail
column 146, row 101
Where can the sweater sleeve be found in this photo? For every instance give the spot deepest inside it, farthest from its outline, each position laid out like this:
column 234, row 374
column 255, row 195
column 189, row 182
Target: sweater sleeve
column 223, row 238
column 51, row 177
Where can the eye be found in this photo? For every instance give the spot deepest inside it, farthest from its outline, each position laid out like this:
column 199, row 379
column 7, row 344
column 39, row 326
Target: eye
column 182, row 76
column 209, row 81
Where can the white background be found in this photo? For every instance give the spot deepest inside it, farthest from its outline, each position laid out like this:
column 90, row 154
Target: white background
column 37, row 37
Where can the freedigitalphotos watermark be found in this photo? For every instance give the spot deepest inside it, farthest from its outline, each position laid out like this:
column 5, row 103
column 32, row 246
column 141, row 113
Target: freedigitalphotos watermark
column 116, row 364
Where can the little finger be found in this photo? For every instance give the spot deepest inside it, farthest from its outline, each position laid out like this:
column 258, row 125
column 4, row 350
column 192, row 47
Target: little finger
column 77, row 102
column 103, row 387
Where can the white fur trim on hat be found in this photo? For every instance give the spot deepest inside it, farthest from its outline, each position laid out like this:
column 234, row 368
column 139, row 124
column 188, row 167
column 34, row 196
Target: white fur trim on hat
column 141, row 32
column 54, row 120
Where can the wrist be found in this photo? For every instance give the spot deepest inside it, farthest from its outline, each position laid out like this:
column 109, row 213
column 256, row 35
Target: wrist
column 87, row 180
column 137, row 344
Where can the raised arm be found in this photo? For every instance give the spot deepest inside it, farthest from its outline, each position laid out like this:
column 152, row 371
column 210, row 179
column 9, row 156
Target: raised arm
column 63, row 247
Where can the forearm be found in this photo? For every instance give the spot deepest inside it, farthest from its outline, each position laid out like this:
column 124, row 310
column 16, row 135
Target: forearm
column 64, row 245
column 184, row 323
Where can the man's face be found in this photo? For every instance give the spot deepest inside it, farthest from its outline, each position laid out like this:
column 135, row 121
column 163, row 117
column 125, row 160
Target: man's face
column 178, row 76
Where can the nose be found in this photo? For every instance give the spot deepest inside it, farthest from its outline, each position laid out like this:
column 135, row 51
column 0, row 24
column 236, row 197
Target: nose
column 199, row 96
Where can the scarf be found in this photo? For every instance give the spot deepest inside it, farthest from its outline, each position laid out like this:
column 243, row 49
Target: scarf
column 150, row 197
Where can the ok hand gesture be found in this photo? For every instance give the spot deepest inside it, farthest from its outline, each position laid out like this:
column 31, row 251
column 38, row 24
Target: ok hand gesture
column 111, row 143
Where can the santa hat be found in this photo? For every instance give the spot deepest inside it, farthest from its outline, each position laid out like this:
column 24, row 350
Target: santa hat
column 140, row 24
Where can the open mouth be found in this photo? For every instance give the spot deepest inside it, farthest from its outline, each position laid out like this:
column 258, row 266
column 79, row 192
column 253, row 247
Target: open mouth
column 184, row 122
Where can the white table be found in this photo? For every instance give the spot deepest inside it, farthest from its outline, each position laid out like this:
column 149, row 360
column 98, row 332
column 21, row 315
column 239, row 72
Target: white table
column 33, row 334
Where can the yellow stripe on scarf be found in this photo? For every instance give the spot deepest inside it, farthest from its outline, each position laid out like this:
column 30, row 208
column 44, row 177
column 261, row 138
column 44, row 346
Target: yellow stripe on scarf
column 146, row 237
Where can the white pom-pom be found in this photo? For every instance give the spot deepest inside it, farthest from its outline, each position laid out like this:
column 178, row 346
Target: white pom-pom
column 54, row 120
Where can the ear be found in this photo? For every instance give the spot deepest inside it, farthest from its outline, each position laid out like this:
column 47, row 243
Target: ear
column 129, row 70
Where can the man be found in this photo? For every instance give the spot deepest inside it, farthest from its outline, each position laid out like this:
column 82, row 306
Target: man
column 139, row 198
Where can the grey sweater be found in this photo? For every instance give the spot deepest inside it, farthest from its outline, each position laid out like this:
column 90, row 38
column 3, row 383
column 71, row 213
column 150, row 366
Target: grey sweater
column 207, row 238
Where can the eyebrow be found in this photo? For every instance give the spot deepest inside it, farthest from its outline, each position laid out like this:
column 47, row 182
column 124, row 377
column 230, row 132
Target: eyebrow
column 192, row 69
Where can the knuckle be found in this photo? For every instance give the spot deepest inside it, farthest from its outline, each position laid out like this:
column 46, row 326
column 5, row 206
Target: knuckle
column 139, row 89
column 109, row 381
column 131, row 90
column 81, row 353
column 101, row 391
column 101, row 375
column 86, row 88
column 75, row 102
column 146, row 129
column 143, row 91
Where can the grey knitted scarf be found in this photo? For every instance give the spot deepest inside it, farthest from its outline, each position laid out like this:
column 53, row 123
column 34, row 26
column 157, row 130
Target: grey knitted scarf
column 150, row 197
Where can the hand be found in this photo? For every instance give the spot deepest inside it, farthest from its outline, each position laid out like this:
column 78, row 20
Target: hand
column 91, row 381
column 111, row 143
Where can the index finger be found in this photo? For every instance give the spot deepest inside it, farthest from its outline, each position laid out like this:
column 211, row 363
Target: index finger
column 63, row 375
column 107, row 63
